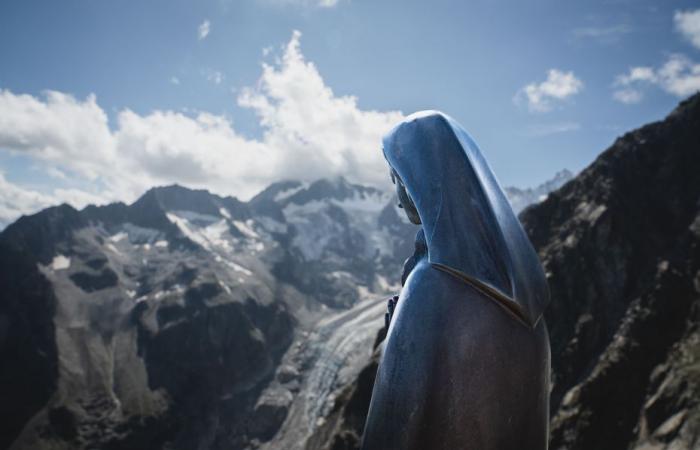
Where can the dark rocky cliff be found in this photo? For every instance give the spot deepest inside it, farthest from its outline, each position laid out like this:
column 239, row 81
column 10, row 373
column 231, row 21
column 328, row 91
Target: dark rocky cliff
column 621, row 247
column 119, row 331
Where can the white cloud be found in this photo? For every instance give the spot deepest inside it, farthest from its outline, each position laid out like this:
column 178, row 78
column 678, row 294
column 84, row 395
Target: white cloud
column 558, row 86
column 203, row 30
column 637, row 74
column 57, row 130
column 688, row 24
column 308, row 133
column 678, row 76
column 628, row 96
column 175, row 80
column 307, row 123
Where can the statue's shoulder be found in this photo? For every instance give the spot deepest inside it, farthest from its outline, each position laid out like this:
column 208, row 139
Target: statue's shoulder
column 428, row 280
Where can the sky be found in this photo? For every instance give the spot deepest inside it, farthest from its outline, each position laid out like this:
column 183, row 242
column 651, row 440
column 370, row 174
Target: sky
column 101, row 100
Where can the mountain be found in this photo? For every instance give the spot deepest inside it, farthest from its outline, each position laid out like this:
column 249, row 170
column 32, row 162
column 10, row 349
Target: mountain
column 191, row 320
column 620, row 245
column 185, row 319
column 522, row 198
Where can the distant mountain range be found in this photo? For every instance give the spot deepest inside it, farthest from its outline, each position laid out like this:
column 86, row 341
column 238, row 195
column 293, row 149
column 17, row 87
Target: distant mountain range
column 190, row 320
column 522, row 198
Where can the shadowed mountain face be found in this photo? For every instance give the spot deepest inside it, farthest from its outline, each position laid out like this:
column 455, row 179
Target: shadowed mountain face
column 189, row 320
column 621, row 248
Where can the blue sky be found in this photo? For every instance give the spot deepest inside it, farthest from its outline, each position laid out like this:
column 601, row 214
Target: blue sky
column 101, row 99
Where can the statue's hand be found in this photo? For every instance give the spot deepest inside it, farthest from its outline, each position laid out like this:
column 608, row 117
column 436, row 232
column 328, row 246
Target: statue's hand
column 390, row 307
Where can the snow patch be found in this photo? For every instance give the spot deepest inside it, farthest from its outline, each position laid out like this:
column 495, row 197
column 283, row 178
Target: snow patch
column 60, row 262
column 238, row 268
column 118, row 237
column 209, row 237
column 112, row 248
column 246, row 228
column 224, row 213
column 283, row 195
column 225, row 287
column 161, row 244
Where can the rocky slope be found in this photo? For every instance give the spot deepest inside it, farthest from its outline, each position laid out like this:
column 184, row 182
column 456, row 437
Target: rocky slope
column 621, row 248
column 163, row 323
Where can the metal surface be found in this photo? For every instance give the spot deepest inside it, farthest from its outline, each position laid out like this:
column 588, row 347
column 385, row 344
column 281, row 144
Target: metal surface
column 466, row 361
column 468, row 223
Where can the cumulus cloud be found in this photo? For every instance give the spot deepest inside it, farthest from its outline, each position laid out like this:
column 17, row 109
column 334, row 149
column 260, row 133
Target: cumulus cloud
column 57, row 129
column 688, row 24
column 308, row 133
column 203, row 30
column 678, row 76
column 306, row 121
column 541, row 97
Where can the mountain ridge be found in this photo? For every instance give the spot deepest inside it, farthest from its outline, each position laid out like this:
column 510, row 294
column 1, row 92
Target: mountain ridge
column 149, row 323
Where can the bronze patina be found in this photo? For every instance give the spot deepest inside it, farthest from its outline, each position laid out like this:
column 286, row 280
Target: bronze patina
column 466, row 360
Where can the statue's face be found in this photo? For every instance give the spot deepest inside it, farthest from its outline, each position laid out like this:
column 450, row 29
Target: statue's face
column 405, row 201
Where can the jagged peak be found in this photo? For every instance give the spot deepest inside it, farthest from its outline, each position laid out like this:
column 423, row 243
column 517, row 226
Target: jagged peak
column 176, row 197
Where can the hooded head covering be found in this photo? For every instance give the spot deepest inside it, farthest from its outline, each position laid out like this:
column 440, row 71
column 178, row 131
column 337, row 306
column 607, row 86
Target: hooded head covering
column 470, row 228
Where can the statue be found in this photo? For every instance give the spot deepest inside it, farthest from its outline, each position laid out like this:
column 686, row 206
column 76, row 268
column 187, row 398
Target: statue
column 466, row 360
